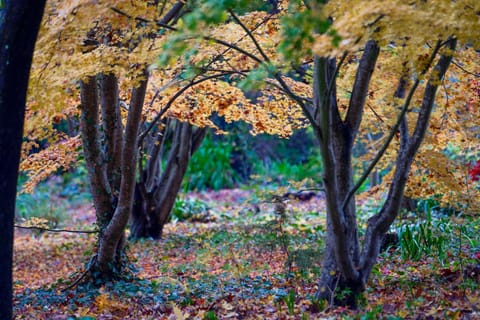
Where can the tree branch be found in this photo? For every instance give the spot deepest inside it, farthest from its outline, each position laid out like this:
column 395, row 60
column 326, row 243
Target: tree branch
column 218, row 41
column 379, row 223
column 99, row 185
column 301, row 103
column 56, row 230
column 250, row 35
column 399, row 93
column 360, row 87
column 173, row 12
column 175, row 97
column 429, row 96
column 403, row 111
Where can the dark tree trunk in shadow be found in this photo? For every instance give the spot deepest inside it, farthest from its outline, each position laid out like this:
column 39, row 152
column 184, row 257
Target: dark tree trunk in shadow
column 157, row 189
column 19, row 24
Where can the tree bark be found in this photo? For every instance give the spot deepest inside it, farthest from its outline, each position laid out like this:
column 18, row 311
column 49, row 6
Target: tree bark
column 19, row 24
column 155, row 201
column 339, row 270
column 112, row 128
column 379, row 224
column 345, row 269
column 112, row 240
column 94, row 156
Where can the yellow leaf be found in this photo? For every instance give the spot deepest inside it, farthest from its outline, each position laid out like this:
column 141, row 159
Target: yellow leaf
column 178, row 313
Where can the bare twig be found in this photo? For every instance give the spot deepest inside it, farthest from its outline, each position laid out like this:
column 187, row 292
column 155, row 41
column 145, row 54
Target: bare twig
column 250, row 35
column 377, row 115
column 456, row 64
column 55, row 230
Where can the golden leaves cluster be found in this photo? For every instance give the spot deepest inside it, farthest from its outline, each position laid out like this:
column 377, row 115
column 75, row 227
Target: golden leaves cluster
column 272, row 112
column 440, row 169
column 81, row 38
column 411, row 24
column 40, row 165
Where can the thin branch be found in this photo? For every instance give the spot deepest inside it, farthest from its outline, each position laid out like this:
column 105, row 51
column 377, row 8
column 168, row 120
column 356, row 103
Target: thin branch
column 273, row 84
column 242, row 72
column 123, row 13
column 140, row 145
column 456, row 64
column 377, row 115
column 444, row 115
column 56, row 230
column 172, row 100
column 380, row 153
column 164, row 23
column 301, row 103
column 222, row 54
column 164, row 4
column 166, row 19
column 394, row 128
column 429, row 95
column 155, row 96
column 371, row 24
column 218, row 41
column 250, row 35
column 288, row 93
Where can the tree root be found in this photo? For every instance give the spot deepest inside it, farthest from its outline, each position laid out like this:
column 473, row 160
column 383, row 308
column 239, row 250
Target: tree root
column 90, row 265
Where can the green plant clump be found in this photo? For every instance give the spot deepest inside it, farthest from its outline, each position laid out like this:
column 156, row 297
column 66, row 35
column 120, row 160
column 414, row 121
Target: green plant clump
column 210, row 167
column 185, row 209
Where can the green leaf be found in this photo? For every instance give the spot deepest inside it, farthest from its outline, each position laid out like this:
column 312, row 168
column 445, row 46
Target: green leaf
column 255, row 79
column 174, row 48
column 298, row 28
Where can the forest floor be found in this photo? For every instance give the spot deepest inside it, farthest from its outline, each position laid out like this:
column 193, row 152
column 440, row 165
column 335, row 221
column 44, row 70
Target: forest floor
column 235, row 259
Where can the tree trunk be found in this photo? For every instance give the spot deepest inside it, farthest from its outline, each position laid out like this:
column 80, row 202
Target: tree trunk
column 334, row 285
column 112, row 240
column 94, row 155
column 111, row 170
column 345, row 269
column 19, row 24
column 156, row 192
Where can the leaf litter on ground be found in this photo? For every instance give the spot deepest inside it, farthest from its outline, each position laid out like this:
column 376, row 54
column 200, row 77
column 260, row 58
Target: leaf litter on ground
column 243, row 263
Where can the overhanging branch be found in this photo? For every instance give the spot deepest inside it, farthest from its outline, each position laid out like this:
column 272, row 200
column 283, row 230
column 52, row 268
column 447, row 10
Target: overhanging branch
column 395, row 127
column 172, row 100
